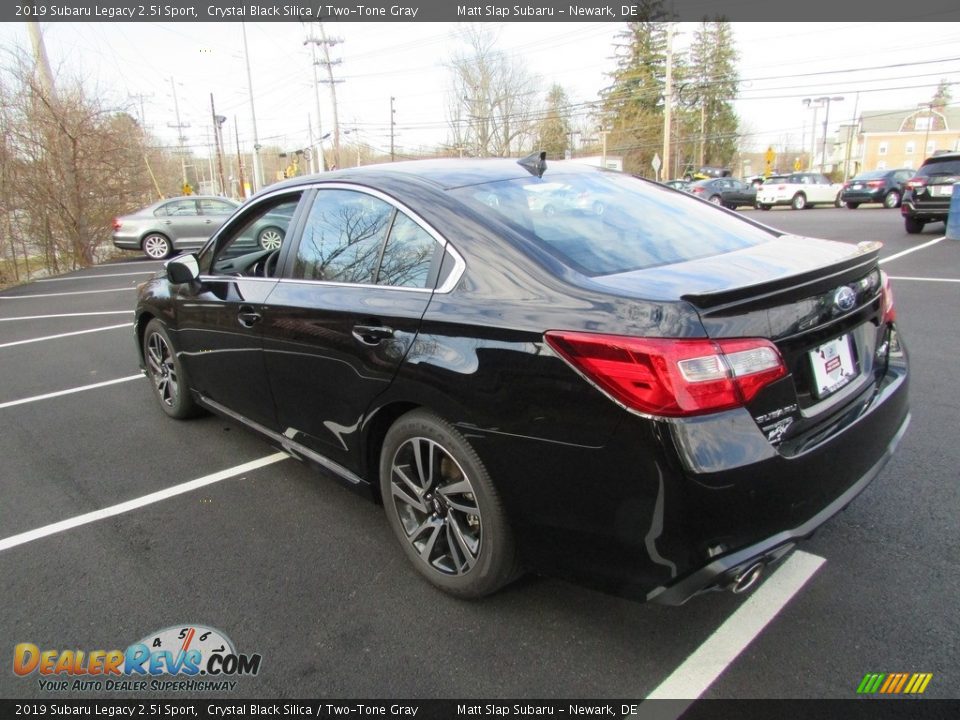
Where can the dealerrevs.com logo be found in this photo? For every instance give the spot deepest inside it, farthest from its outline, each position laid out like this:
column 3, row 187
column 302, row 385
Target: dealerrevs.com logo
column 184, row 658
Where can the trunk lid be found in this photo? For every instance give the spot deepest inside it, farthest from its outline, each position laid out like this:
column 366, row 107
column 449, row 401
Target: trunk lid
column 819, row 302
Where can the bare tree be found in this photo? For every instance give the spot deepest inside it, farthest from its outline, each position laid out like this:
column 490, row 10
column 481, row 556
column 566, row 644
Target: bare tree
column 69, row 165
column 491, row 106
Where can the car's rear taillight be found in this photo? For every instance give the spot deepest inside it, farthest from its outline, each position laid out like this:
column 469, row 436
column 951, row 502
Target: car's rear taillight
column 672, row 377
column 889, row 311
column 875, row 183
column 916, row 182
column 698, row 189
column 846, row 185
column 117, row 224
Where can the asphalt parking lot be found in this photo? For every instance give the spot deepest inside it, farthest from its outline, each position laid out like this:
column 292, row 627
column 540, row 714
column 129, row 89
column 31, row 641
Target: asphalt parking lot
column 295, row 567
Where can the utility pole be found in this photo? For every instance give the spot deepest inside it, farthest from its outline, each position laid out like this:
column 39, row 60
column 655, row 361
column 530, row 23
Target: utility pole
column 218, row 121
column 236, row 137
column 257, row 165
column 326, row 43
column 180, row 138
column 603, row 138
column 313, row 42
column 850, row 132
column 392, row 126
column 668, row 102
column 826, row 121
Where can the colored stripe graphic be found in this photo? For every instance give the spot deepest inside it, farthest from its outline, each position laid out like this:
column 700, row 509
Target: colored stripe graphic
column 894, row 683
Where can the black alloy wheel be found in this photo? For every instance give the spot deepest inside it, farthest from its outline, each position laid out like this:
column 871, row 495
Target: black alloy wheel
column 166, row 373
column 444, row 508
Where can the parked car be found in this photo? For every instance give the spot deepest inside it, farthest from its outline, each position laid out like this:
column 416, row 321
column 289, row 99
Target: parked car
column 654, row 401
column 708, row 171
column 875, row 186
column 186, row 223
column 679, row 184
column 927, row 194
column 799, row 191
column 727, row 192
column 552, row 198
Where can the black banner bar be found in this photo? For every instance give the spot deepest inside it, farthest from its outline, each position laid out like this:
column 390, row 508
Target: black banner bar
column 176, row 709
column 465, row 11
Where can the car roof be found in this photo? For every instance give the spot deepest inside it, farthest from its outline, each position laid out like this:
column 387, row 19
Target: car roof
column 444, row 174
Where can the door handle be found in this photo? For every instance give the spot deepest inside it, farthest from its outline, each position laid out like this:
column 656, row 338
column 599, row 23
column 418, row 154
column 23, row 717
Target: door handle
column 248, row 317
column 372, row 334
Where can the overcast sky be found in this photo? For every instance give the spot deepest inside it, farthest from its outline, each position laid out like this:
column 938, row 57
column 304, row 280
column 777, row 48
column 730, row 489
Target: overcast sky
column 780, row 64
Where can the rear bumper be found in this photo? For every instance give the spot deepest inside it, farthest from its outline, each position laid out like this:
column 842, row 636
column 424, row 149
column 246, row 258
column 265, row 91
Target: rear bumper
column 863, row 196
column 126, row 242
column 927, row 212
column 721, row 573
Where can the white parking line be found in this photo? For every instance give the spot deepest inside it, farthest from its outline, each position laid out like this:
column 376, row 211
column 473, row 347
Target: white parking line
column 91, row 277
column 70, row 391
column 63, row 335
column 66, row 315
column 912, row 250
column 704, row 666
column 78, row 292
column 70, row 523
column 920, row 279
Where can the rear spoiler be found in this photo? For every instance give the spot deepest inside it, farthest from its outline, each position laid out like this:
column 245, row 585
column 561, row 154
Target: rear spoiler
column 806, row 284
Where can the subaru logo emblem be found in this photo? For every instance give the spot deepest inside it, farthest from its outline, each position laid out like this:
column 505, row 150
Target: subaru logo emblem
column 844, row 299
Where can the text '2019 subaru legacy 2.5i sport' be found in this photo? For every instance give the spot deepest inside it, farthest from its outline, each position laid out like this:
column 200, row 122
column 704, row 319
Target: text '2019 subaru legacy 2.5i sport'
column 653, row 400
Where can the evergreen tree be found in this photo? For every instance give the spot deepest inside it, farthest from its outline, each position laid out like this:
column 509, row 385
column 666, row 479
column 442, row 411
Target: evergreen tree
column 554, row 127
column 632, row 107
column 942, row 97
column 714, row 81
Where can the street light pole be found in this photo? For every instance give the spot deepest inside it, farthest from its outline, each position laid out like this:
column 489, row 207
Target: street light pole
column 826, row 121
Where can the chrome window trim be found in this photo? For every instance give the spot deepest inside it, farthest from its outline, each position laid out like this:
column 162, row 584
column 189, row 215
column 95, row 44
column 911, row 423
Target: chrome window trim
column 459, row 265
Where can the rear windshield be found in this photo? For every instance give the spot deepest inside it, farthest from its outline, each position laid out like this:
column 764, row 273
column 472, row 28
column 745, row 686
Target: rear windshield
column 940, row 167
column 873, row 175
column 605, row 223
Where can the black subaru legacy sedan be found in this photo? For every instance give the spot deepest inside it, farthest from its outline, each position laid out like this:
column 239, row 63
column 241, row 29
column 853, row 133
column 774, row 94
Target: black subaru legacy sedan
column 643, row 393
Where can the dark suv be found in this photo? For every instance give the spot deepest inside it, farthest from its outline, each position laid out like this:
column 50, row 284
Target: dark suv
column 927, row 195
column 875, row 186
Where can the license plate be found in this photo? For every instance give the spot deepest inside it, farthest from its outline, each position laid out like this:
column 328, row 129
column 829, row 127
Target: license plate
column 833, row 366
column 942, row 190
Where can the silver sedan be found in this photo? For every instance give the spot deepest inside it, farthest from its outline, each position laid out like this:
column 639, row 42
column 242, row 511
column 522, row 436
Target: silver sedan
column 186, row 223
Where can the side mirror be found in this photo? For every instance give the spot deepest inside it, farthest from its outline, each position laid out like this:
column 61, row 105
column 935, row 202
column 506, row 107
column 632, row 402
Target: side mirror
column 183, row 269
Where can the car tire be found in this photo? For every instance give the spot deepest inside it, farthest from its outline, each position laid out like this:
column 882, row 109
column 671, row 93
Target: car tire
column 549, row 210
column 891, row 199
column 166, row 373
column 156, row 246
column 799, row 201
column 270, row 238
column 764, row 207
column 853, row 205
column 716, row 200
column 444, row 509
column 913, row 226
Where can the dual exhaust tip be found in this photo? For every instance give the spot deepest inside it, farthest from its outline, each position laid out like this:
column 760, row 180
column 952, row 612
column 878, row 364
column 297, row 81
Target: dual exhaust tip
column 747, row 579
